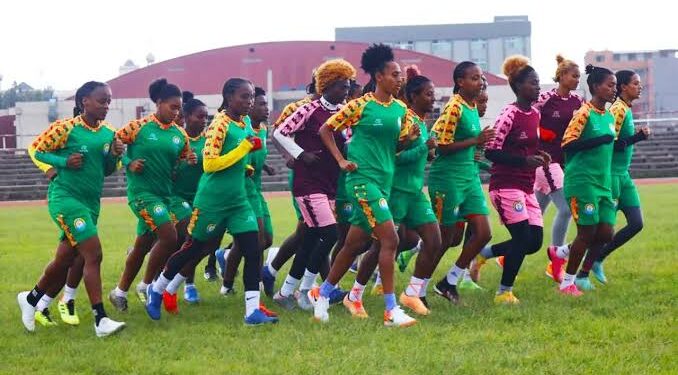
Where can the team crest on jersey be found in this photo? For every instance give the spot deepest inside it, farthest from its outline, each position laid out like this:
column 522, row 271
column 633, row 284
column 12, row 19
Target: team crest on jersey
column 186, row 205
column 383, row 204
column 211, row 228
column 79, row 224
column 176, row 140
column 158, row 210
column 518, row 206
column 348, row 208
column 589, row 208
column 107, row 148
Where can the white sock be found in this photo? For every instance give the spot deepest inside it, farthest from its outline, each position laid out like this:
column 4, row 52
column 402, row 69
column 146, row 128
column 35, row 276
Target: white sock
column 226, row 252
column 160, row 285
column 467, row 275
column 567, row 281
column 422, row 291
column 417, row 248
column 251, row 301
column 308, row 280
column 289, row 286
column 356, row 293
column 43, row 303
column 563, row 252
column 414, row 287
column 188, row 285
column 120, row 293
column 69, row 293
column 377, row 281
column 272, row 270
column 454, row 274
column 176, row 282
column 142, row 285
column 272, row 252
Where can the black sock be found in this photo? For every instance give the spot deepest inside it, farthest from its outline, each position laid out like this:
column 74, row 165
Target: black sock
column 583, row 274
column 99, row 312
column 34, row 296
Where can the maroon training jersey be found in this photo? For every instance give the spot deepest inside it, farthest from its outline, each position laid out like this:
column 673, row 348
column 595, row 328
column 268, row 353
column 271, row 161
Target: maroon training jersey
column 516, row 133
column 556, row 113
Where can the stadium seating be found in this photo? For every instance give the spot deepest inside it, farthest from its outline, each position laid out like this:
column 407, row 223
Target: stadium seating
column 21, row 180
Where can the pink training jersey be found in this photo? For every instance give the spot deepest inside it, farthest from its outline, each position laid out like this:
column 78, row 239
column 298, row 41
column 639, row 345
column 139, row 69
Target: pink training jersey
column 322, row 176
column 516, row 133
column 556, row 113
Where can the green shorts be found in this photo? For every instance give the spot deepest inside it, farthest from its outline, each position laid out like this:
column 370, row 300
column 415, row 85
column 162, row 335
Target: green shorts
column 454, row 203
column 624, row 191
column 76, row 221
column 344, row 211
column 592, row 209
column 206, row 224
column 411, row 209
column 152, row 212
column 268, row 224
column 255, row 198
column 180, row 209
column 370, row 206
column 290, row 184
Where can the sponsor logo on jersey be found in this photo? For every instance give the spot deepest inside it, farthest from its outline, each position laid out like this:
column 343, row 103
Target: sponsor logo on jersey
column 107, row 148
column 186, row 205
column 383, row 204
column 211, row 227
column 378, row 122
column 348, row 208
column 523, row 135
column 152, row 137
column 83, row 149
column 556, row 114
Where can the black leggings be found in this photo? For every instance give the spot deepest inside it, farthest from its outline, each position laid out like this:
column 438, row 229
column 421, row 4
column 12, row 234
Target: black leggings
column 248, row 243
column 634, row 224
column 314, row 251
column 525, row 239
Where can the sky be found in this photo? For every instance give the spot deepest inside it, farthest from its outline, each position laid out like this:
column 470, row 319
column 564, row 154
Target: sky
column 65, row 43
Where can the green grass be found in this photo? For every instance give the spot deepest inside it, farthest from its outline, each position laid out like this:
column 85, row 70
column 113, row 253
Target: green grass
column 628, row 326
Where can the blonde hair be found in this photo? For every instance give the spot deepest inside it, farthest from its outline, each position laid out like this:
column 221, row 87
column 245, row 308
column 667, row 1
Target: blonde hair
column 564, row 66
column 332, row 70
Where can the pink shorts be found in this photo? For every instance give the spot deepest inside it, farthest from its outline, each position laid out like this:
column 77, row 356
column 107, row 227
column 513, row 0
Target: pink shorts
column 317, row 210
column 548, row 180
column 514, row 206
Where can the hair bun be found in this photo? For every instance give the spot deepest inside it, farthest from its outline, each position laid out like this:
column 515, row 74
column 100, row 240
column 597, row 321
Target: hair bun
column 559, row 58
column 412, row 71
column 186, row 96
column 156, row 88
column 513, row 64
column 589, row 69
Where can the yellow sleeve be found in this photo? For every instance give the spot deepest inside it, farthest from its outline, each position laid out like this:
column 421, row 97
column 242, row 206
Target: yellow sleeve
column 406, row 125
column 446, row 125
column 128, row 133
column 619, row 113
column 54, row 137
column 576, row 125
column 42, row 166
column 348, row 115
column 287, row 112
column 187, row 144
column 212, row 160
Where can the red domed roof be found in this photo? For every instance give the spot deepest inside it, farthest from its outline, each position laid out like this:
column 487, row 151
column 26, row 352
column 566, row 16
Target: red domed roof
column 204, row 73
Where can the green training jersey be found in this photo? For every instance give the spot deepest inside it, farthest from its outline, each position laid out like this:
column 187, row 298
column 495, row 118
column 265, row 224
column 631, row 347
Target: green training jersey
column 161, row 146
column 411, row 162
column 376, row 130
column 66, row 137
column 624, row 128
column 589, row 169
column 188, row 176
column 458, row 122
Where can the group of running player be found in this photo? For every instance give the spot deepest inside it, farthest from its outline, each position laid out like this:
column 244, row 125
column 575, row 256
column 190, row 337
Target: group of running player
column 357, row 169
